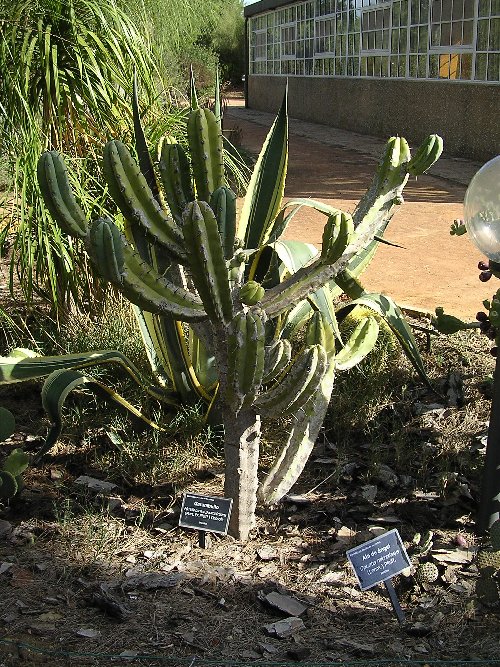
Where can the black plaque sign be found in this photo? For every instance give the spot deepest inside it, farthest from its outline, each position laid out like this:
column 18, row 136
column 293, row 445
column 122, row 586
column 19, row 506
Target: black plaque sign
column 379, row 559
column 207, row 513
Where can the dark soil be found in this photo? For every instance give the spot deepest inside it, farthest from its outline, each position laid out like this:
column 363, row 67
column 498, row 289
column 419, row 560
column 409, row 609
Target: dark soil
column 122, row 574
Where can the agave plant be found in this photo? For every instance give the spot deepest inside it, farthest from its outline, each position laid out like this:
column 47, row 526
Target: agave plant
column 240, row 287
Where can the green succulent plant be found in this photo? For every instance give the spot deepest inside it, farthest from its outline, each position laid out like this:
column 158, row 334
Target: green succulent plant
column 488, row 564
column 184, row 257
column 15, row 464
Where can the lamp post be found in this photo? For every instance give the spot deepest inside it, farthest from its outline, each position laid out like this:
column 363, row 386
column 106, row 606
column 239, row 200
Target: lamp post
column 482, row 220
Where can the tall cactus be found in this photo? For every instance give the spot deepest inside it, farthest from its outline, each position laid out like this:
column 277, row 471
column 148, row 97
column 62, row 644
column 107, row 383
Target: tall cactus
column 239, row 286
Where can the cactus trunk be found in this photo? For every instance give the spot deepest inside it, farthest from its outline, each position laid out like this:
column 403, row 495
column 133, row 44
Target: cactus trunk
column 241, row 454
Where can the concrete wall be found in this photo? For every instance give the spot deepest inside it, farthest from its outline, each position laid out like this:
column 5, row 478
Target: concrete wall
column 464, row 114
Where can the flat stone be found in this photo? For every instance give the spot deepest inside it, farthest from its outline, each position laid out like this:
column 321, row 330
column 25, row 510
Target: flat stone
column 285, row 628
column 95, row 484
column 368, row 492
column 285, row 603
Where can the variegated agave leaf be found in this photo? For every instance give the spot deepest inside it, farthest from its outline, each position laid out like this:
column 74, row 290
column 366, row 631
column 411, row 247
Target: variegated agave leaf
column 56, row 389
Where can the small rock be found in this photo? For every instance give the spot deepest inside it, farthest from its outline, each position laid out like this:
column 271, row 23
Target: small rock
column 154, row 580
column 95, row 484
column 368, row 492
column 266, row 647
column 285, row 628
column 455, row 556
column 344, row 533
column 357, row 647
column 89, row 633
column 267, row 553
column 386, row 476
column 113, row 503
column 250, row 655
column 285, row 603
column 332, row 578
column 5, row 567
column 5, row 528
column 423, row 408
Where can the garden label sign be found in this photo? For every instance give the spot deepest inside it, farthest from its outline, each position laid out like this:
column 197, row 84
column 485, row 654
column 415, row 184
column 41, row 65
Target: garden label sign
column 378, row 561
column 206, row 514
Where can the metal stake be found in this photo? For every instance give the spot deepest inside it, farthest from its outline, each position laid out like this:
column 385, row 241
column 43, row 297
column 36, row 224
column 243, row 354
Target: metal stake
column 489, row 503
column 202, row 539
column 394, row 601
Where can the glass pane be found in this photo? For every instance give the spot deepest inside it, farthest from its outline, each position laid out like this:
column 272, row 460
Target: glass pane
column 436, row 11
column 413, row 66
column 495, row 7
column 371, row 40
column 494, row 67
column 402, row 66
column 394, row 67
column 415, row 11
column 446, row 10
column 404, row 12
column 422, row 39
column 495, row 34
column 456, row 32
column 468, row 9
column 481, row 62
column 396, row 11
column 402, row 40
column 378, row 39
column 424, row 11
column 444, row 66
column 484, row 7
column 394, row 40
column 422, row 62
column 466, row 66
column 413, row 40
column 433, row 66
column 467, row 27
column 384, row 66
column 454, row 66
column 482, row 35
column 436, row 35
column 356, row 43
column 445, row 34
column 458, row 10
column 363, row 66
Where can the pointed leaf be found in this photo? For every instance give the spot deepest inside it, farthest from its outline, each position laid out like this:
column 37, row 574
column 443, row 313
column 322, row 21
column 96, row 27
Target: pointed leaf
column 394, row 317
column 145, row 162
column 56, row 389
column 359, row 345
column 267, row 185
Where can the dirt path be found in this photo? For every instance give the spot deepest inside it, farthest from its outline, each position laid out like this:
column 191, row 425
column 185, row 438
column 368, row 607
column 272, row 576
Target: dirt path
column 434, row 268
